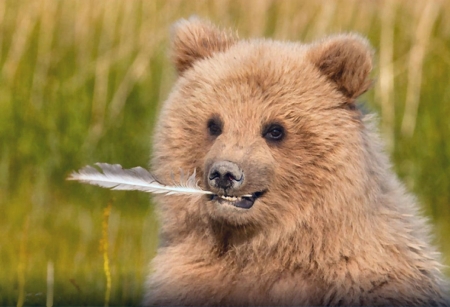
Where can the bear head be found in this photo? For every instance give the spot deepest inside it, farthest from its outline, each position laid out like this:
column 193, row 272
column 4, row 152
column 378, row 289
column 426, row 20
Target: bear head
column 269, row 126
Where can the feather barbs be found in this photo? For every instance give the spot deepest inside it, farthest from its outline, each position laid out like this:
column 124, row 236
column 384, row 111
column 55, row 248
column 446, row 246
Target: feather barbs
column 114, row 177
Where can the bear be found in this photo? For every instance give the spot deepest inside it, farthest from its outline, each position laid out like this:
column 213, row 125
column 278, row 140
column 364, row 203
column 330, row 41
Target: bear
column 305, row 208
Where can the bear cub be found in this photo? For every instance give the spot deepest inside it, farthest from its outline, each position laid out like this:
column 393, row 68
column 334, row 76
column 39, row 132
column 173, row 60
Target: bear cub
column 305, row 208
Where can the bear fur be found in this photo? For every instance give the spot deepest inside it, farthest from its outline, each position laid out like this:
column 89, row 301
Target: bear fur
column 329, row 223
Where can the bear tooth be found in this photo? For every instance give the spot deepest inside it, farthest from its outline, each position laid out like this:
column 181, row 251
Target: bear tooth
column 229, row 198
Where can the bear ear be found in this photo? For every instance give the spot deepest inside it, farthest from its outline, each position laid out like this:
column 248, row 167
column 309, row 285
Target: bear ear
column 346, row 60
column 195, row 39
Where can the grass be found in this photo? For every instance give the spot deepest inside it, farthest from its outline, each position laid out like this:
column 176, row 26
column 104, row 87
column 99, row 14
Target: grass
column 80, row 82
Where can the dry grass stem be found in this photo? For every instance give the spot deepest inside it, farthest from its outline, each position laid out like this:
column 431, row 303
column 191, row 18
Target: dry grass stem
column 26, row 19
column 47, row 20
column 50, row 283
column 386, row 77
column 22, row 263
column 427, row 18
column 104, row 246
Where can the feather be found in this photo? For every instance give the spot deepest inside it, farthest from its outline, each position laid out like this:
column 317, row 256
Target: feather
column 114, row 177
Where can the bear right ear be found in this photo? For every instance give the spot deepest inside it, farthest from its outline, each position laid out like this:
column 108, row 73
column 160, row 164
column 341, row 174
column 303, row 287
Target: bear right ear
column 195, row 39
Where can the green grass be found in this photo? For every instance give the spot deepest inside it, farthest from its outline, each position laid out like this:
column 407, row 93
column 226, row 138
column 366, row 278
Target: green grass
column 80, row 82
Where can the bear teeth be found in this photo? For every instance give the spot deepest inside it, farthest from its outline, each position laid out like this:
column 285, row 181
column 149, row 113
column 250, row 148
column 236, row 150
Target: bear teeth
column 230, row 198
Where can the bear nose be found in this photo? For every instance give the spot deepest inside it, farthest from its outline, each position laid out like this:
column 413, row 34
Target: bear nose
column 225, row 175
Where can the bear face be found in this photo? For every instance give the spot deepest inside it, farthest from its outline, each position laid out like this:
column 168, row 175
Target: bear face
column 275, row 116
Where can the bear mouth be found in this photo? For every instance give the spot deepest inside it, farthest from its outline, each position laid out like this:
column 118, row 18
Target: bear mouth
column 243, row 202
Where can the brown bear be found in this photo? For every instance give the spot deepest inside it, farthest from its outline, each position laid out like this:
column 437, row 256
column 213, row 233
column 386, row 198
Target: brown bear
column 305, row 208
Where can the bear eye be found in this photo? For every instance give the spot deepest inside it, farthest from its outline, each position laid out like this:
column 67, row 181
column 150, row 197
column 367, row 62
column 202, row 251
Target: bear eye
column 274, row 133
column 214, row 126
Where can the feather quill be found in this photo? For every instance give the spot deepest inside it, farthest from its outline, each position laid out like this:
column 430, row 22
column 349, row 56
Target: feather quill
column 114, row 177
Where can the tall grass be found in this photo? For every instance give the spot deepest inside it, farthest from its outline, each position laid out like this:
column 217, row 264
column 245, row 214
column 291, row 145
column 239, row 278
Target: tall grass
column 81, row 81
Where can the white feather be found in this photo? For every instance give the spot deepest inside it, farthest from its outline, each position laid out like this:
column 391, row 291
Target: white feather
column 116, row 178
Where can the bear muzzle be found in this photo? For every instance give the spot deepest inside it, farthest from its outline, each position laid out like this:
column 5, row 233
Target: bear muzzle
column 226, row 178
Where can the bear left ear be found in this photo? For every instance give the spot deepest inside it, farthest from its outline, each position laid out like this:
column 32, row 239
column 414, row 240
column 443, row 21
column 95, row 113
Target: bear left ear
column 195, row 39
column 346, row 60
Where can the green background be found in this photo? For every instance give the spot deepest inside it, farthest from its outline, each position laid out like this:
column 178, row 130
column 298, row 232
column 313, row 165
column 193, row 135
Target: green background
column 81, row 82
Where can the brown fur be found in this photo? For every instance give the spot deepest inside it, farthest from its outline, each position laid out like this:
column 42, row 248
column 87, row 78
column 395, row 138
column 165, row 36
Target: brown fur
column 334, row 226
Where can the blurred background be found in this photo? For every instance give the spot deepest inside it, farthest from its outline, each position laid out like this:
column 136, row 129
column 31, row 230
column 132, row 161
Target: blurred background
column 81, row 82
